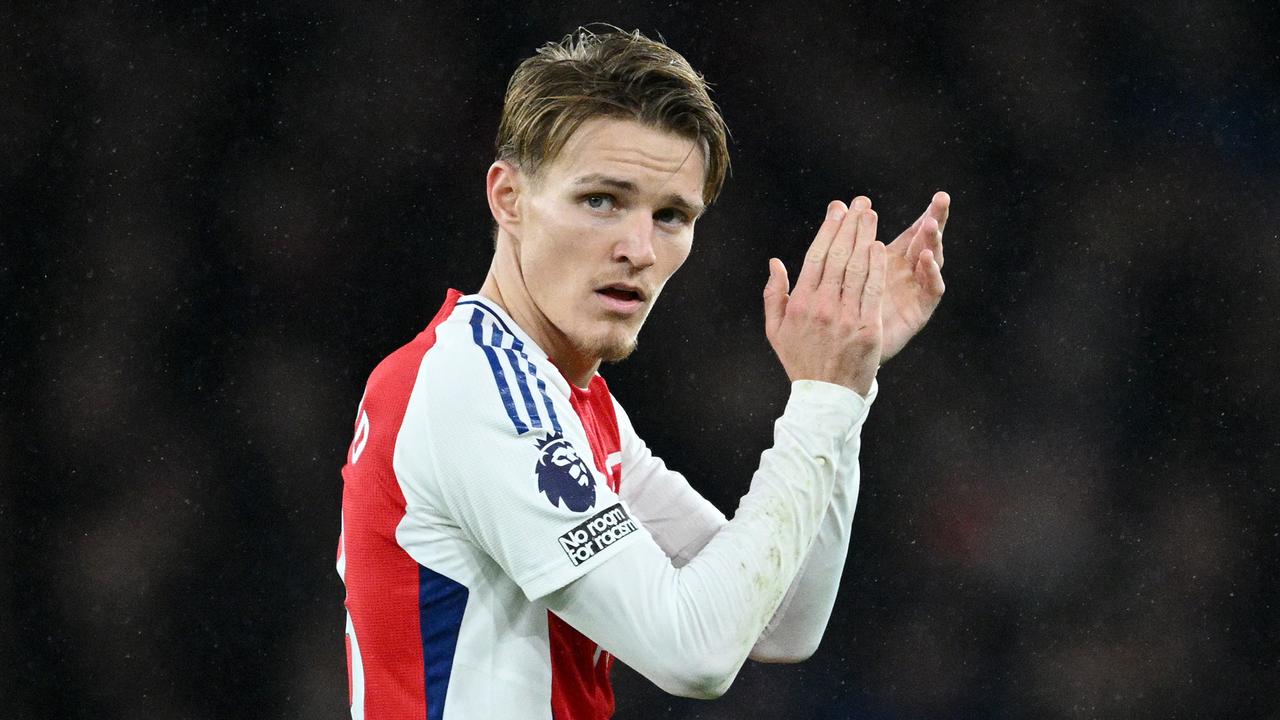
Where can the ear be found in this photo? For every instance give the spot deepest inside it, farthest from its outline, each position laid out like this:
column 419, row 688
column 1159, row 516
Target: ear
column 503, row 185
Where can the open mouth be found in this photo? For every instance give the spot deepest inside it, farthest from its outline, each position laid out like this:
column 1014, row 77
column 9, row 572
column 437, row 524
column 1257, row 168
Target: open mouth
column 621, row 294
column 621, row 298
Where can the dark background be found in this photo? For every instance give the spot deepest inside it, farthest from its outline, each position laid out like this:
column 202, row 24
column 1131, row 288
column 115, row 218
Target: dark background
column 215, row 220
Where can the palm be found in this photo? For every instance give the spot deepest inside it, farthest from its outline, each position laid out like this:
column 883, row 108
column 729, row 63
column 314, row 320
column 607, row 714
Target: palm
column 913, row 279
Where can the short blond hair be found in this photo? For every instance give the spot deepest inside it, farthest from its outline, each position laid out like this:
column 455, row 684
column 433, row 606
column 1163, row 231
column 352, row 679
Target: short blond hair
column 612, row 74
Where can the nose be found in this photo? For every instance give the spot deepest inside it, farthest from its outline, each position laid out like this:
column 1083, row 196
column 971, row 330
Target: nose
column 636, row 245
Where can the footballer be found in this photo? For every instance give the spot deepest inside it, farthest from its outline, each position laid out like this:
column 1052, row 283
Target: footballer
column 506, row 534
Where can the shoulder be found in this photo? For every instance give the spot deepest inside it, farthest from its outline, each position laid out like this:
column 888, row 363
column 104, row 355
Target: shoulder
column 467, row 421
column 482, row 394
column 480, row 368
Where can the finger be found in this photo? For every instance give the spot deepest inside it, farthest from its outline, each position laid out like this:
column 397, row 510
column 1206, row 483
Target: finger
column 775, row 297
column 855, row 272
column 928, row 237
column 940, row 209
column 815, row 259
column 842, row 246
column 873, row 289
column 929, row 274
column 935, row 247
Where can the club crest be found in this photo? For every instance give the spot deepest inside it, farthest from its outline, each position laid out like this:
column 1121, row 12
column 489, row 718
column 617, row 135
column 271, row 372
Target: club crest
column 563, row 476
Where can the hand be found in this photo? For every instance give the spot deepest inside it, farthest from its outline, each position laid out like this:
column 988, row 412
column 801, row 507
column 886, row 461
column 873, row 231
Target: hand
column 913, row 278
column 829, row 329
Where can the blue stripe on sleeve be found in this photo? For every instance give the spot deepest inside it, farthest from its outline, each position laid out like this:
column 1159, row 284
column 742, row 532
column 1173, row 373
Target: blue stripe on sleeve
column 499, row 376
column 496, row 336
column 517, row 346
column 546, row 399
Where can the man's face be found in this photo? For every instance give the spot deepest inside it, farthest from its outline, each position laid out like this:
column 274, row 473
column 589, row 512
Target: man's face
column 603, row 227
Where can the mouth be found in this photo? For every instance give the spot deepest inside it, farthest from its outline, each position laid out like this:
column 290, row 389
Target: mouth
column 621, row 297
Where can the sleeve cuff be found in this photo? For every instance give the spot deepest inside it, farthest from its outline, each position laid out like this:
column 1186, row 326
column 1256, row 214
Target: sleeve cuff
column 830, row 404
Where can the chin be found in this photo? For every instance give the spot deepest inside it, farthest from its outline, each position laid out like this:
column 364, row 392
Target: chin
column 611, row 347
column 620, row 351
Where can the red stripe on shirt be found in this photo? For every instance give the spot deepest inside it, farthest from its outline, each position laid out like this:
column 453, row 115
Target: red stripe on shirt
column 381, row 579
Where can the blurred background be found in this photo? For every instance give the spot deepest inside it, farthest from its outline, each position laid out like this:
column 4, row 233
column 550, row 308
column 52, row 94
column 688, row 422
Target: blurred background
column 216, row 219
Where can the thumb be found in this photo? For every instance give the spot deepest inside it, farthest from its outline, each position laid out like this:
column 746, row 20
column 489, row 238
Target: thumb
column 775, row 296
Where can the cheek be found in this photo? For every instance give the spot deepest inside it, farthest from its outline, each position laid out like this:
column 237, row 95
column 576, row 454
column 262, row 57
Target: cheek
column 543, row 255
column 556, row 244
column 678, row 252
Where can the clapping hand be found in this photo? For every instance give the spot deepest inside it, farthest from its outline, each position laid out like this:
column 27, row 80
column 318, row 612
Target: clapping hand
column 913, row 276
column 829, row 327
column 856, row 302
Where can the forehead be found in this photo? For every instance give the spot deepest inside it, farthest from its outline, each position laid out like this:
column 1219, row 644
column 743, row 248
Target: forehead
column 651, row 158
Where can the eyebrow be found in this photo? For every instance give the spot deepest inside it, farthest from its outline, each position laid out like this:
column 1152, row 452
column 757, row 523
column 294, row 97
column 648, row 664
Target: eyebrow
column 694, row 209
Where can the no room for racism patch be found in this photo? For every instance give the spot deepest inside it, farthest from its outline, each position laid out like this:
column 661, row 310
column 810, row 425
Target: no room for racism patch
column 597, row 533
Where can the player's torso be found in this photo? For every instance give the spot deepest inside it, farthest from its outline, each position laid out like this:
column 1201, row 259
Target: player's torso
column 434, row 620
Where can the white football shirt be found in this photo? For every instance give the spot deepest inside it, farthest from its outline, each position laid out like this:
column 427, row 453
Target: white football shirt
column 480, row 481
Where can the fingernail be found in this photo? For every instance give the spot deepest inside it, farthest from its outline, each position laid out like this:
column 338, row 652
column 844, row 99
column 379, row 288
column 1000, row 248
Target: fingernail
column 835, row 211
column 861, row 203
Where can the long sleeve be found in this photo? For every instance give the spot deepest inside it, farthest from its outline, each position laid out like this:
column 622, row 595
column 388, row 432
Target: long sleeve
column 682, row 522
column 689, row 629
column 797, row 627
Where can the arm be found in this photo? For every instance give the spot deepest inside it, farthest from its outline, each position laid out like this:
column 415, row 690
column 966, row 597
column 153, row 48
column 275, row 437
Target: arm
column 683, row 522
column 913, row 288
column 797, row 627
column 689, row 629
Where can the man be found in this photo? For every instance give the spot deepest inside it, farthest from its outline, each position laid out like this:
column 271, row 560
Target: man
column 505, row 532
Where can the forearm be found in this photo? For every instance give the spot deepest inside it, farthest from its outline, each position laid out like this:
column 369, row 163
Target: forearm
column 690, row 629
column 795, row 630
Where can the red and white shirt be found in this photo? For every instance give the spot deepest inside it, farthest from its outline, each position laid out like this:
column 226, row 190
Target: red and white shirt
column 480, row 484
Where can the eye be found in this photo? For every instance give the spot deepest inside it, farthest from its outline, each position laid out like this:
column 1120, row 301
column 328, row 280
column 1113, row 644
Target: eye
column 671, row 216
column 599, row 201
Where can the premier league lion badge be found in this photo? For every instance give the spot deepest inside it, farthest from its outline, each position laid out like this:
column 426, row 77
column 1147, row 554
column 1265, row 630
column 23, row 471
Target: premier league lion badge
column 563, row 476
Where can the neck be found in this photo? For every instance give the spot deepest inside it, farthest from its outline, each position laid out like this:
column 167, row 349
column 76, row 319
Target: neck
column 507, row 291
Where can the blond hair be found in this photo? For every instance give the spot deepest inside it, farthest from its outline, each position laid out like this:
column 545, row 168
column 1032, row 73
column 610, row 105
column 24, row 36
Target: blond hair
column 613, row 74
